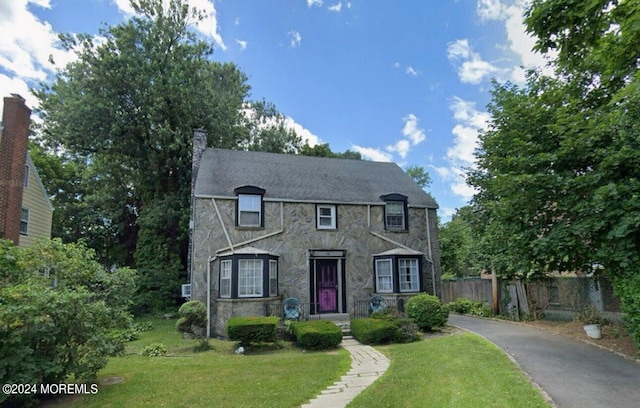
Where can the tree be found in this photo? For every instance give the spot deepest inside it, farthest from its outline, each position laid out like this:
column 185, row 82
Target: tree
column 61, row 314
column 457, row 252
column 419, row 175
column 324, row 150
column 557, row 169
column 123, row 113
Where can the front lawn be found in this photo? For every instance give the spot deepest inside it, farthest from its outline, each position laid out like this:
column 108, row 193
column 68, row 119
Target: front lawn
column 454, row 371
column 216, row 378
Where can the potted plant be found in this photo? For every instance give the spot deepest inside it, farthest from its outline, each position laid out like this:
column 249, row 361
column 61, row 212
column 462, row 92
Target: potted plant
column 591, row 322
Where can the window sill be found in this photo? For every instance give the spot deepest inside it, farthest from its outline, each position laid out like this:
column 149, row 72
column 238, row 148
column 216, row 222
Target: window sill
column 248, row 228
column 248, row 299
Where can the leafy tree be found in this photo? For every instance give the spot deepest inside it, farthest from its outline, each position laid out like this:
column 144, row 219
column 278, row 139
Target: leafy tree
column 61, row 314
column 123, row 113
column 324, row 150
column 419, row 175
column 557, row 169
column 457, row 252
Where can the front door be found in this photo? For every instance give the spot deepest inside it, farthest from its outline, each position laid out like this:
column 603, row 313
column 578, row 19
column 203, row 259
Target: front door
column 327, row 285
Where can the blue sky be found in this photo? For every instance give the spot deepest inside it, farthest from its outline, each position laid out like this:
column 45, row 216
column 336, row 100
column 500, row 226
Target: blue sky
column 405, row 81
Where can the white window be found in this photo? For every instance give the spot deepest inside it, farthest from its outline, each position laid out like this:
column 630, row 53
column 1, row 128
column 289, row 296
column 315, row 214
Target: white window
column 394, row 213
column 24, row 221
column 273, row 277
column 26, row 176
column 384, row 277
column 408, row 270
column 249, row 278
column 249, row 210
column 326, row 217
column 225, row 279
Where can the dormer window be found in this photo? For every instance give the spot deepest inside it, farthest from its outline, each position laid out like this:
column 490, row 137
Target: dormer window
column 395, row 212
column 250, row 207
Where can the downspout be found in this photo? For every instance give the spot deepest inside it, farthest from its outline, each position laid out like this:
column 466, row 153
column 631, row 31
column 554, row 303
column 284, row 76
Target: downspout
column 211, row 259
column 433, row 268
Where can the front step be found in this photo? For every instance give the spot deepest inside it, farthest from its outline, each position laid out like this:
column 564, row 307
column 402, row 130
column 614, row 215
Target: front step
column 342, row 320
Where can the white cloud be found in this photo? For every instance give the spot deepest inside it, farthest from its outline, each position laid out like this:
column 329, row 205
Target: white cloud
column 311, row 3
column 242, row 44
column 374, row 154
column 301, row 131
column 401, row 147
column 336, row 7
column 26, row 46
column 411, row 71
column 472, row 68
column 411, row 130
column 295, row 38
column 490, row 9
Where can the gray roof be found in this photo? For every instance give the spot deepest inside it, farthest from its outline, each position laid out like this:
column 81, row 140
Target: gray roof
column 302, row 178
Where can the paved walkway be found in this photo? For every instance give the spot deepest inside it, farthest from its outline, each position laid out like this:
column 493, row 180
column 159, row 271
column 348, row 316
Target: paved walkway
column 572, row 373
column 367, row 365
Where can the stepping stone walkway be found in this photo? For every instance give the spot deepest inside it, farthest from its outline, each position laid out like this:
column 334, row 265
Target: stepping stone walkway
column 367, row 365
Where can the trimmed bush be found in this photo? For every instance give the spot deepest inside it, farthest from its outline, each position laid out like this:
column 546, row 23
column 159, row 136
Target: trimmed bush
column 317, row 334
column 407, row 331
column 374, row 331
column 427, row 311
column 249, row 330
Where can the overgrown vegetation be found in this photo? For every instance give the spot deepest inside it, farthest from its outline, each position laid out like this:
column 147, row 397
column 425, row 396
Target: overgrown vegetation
column 470, row 307
column 61, row 314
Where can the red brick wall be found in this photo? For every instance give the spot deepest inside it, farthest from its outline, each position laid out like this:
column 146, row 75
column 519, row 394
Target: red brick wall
column 13, row 154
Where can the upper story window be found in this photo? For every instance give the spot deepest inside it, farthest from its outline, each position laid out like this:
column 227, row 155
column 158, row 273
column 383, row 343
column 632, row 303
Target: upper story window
column 250, row 208
column 25, row 182
column 24, row 221
column 395, row 212
column 326, row 217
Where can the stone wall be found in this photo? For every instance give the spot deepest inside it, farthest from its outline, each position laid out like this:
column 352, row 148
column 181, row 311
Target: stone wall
column 290, row 232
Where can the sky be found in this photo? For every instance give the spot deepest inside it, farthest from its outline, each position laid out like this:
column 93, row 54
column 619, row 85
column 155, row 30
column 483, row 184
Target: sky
column 406, row 81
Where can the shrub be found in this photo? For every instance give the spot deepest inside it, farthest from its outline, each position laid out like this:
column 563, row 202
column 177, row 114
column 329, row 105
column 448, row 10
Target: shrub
column 193, row 320
column 374, row 331
column 470, row 307
column 61, row 314
column 427, row 311
column 249, row 330
column 317, row 334
column 154, row 350
column 407, row 330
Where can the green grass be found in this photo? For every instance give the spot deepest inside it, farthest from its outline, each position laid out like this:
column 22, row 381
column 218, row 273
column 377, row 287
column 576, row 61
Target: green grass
column 454, row 371
column 286, row 377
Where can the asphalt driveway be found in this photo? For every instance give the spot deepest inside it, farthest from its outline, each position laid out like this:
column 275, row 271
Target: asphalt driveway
column 574, row 374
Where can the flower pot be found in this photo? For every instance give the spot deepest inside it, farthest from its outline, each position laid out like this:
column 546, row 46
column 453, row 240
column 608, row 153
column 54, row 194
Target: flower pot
column 592, row 330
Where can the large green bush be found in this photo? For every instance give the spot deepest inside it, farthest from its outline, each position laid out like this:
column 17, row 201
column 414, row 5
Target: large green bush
column 193, row 321
column 61, row 314
column 249, row 330
column 627, row 288
column 470, row 307
column 373, row 331
column 317, row 334
column 427, row 311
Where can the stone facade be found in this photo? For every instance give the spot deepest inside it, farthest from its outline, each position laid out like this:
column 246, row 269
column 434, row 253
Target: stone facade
column 290, row 232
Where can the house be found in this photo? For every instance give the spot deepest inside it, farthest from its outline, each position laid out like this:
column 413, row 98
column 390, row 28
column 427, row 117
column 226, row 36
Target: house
column 266, row 227
column 25, row 209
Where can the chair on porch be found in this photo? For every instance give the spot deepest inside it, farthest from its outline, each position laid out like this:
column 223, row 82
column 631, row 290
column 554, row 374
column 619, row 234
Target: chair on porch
column 292, row 309
column 377, row 304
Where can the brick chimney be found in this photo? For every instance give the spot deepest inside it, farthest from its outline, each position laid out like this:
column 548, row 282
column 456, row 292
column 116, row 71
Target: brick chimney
column 13, row 155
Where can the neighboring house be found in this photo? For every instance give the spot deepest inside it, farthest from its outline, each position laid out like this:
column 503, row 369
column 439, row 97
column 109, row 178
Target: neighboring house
column 25, row 209
column 266, row 227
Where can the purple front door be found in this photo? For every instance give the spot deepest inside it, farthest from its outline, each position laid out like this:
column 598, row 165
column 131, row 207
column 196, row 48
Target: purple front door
column 327, row 285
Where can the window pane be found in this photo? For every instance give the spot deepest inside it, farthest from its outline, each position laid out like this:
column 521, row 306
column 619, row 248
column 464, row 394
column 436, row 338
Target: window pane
column 249, row 208
column 395, row 215
column 408, row 270
column 273, row 278
column 249, row 277
column 384, row 279
column 326, row 216
column 24, row 221
column 225, row 279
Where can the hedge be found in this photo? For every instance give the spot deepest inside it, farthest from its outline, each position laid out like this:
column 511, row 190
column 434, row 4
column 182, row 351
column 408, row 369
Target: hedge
column 317, row 334
column 249, row 330
column 374, row 331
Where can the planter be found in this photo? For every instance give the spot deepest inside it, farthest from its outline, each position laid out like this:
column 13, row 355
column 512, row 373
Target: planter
column 592, row 330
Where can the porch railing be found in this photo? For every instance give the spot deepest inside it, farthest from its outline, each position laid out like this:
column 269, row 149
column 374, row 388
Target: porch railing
column 277, row 309
column 363, row 308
